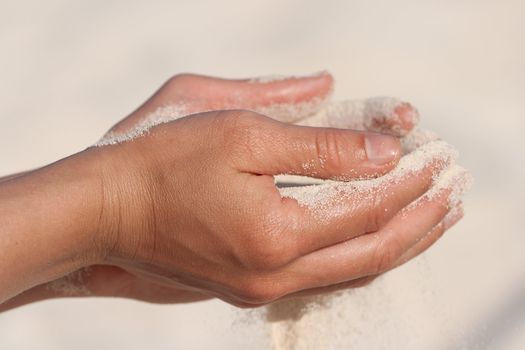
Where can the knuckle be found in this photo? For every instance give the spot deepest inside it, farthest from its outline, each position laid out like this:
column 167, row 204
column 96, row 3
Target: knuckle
column 387, row 252
column 241, row 133
column 240, row 125
column 234, row 120
column 329, row 149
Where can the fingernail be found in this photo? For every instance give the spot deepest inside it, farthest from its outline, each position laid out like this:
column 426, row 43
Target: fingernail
column 381, row 149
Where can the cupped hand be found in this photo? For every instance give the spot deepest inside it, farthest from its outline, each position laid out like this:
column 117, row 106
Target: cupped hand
column 190, row 209
column 193, row 205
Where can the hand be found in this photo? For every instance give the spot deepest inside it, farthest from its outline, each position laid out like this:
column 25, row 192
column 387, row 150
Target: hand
column 199, row 210
column 199, row 93
column 188, row 219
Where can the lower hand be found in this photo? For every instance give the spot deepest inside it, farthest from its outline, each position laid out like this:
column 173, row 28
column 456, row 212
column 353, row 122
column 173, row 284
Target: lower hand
column 190, row 210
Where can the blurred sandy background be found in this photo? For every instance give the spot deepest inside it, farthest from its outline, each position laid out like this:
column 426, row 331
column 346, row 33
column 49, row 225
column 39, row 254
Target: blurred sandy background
column 69, row 70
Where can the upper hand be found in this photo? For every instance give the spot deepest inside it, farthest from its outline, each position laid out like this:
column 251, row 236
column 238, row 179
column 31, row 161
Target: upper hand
column 191, row 210
column 197, row 207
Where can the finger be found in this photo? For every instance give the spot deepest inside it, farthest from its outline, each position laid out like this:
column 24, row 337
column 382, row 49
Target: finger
column 217, row 93
column 265, row 146
column 452, row 217
column 288, row 99
column 334, row 212
column 291, row 99
column 387, row 115
column 377, row 252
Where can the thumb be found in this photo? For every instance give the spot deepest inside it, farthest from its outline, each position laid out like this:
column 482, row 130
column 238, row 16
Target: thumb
column 272, row 148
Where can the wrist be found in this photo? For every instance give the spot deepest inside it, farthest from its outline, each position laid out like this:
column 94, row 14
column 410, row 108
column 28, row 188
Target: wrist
column 49, row 223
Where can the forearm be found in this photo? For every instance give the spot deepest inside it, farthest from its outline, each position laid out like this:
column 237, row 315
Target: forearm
column 48, row 223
